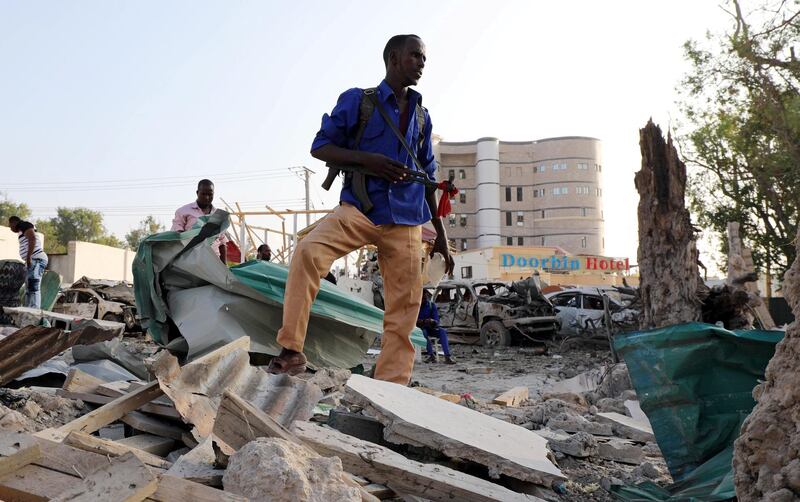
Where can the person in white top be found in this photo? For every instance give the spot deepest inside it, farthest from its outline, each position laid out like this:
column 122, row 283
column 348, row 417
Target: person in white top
column 32, row 253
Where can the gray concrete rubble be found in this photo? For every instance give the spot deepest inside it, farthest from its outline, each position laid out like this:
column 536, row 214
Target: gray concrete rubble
column 275, row 470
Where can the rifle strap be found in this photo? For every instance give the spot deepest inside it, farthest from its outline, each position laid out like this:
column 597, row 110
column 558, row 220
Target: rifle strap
column 372, row 97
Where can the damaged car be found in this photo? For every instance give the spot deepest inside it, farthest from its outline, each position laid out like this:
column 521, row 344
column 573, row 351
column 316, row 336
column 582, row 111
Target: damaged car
column 495, row 313
column 587, row 311
column 98, row 299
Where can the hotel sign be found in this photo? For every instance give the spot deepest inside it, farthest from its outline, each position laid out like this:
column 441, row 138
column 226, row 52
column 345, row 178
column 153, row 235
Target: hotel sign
column 566, row 263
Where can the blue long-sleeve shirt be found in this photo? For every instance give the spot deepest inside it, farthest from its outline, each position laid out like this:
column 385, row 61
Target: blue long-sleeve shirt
column 428, row 310
column 401, row 203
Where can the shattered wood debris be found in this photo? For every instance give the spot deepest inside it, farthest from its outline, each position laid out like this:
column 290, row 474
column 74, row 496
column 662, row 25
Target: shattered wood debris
column 30, row 346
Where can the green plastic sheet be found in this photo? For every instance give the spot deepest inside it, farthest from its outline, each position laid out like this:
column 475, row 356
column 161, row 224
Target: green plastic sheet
column 695, row 381
column 184, row 293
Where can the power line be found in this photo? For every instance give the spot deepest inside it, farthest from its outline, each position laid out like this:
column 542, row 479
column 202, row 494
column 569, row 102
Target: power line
column 148, row 179
column 153, row 184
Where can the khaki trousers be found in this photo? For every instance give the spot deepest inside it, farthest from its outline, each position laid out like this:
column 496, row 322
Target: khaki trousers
column 399, row 248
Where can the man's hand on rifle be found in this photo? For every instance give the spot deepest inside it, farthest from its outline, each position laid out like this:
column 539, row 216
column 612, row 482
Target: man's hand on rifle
column 382, row 166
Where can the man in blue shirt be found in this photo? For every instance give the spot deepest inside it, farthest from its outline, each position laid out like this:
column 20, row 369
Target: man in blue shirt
column 393, row 225
column 428, row 322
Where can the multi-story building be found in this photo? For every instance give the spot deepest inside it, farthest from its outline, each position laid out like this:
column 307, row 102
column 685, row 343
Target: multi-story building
column 547, row 192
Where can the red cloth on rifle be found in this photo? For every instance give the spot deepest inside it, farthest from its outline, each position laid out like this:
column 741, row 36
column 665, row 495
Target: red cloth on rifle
column 448, row 191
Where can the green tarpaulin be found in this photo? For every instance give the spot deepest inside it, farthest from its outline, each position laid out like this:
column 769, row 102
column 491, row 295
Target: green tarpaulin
column 189, row 299
column 695, row 381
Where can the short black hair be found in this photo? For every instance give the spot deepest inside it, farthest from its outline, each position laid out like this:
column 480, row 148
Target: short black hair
column 204, row 183
column 14, row 219
column 395, row 43
column 263, row 246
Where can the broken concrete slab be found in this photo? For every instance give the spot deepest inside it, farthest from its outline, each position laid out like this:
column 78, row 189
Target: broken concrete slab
column 628, row 427
column 576, row 423
column 580, row 444
column 635, row 411
column 584, row 382
column 198, row 465
column 417, row 419
column 619, row 450
column 402, row 475
column 277, row 470
column 197, row 388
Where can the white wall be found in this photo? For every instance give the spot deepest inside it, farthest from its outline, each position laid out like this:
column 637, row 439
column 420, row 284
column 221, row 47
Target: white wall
column 93, row 260
column 9, row 245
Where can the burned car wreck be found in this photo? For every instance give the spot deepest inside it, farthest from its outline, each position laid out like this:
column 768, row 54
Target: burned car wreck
column 495, row 313
column 99, row 299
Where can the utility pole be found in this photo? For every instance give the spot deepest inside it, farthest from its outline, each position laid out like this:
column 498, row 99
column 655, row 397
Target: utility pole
column 304, row 174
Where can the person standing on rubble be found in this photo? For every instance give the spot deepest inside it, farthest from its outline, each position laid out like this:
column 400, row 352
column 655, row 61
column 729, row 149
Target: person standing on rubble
column 31, row 251
column 393, row 224
column 187, row 215
column 428, row 322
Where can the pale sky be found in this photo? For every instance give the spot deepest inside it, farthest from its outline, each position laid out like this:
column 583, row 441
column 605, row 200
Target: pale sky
column 122, row 106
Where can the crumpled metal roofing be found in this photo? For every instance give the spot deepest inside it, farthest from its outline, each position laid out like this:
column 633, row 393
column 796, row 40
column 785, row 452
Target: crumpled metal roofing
column 183, row 289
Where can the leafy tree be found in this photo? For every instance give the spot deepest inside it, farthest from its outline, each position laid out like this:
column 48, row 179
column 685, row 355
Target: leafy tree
column 75, row 224
column 147, row 226
column 741, row 102
column 10, row 208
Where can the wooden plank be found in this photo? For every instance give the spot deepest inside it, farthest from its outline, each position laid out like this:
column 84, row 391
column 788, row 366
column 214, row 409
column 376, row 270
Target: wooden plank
column 80, row 381
column 33, row 484
column 113, row 389
column 125, row 479
column 239, row 422
column 380, row 491
column 174, row 489
column 512, row 397
column 152, row 425
column 154, row 408
column 19, row 459
column 112, row 448
column 156, row 445
column 382, row 465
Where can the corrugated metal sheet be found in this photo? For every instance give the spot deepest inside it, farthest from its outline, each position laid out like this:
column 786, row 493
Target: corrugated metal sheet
column 197, row 388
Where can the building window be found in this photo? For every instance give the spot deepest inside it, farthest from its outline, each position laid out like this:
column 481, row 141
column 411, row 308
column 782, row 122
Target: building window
column 462, row 198
column 509, row 241
column 519, row 194
column 508, row 218
column 599, row 192
column 583, row 211
column 583, row 166
column 543, row 240
column 451, row 243
column 520, row 218
column 582, row 190
column 466, row 272
column 540, row 168
column 560, row 166
column 463, row 220
column 461, row 174
column 583, row 241
column 463, row 244
column 520, row 241
column 451, row 174
column 451, row 219
column 560, row 191
column 539, row 192
column 508, row 194
column 542, row 213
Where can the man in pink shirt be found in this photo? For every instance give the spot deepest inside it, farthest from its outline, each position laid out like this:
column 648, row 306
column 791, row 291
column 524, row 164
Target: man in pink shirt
column 186, row 215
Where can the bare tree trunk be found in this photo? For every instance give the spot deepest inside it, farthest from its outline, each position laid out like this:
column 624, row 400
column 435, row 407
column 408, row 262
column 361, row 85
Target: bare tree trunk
column 766, row 459
column 668, row 258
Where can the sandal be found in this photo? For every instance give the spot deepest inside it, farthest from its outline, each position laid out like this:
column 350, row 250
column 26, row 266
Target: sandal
column 289, row 362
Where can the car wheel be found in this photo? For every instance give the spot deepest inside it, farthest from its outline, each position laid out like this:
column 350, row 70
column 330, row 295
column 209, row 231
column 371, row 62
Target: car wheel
column 494, row 334
column 112, row 317
column 130, row 321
